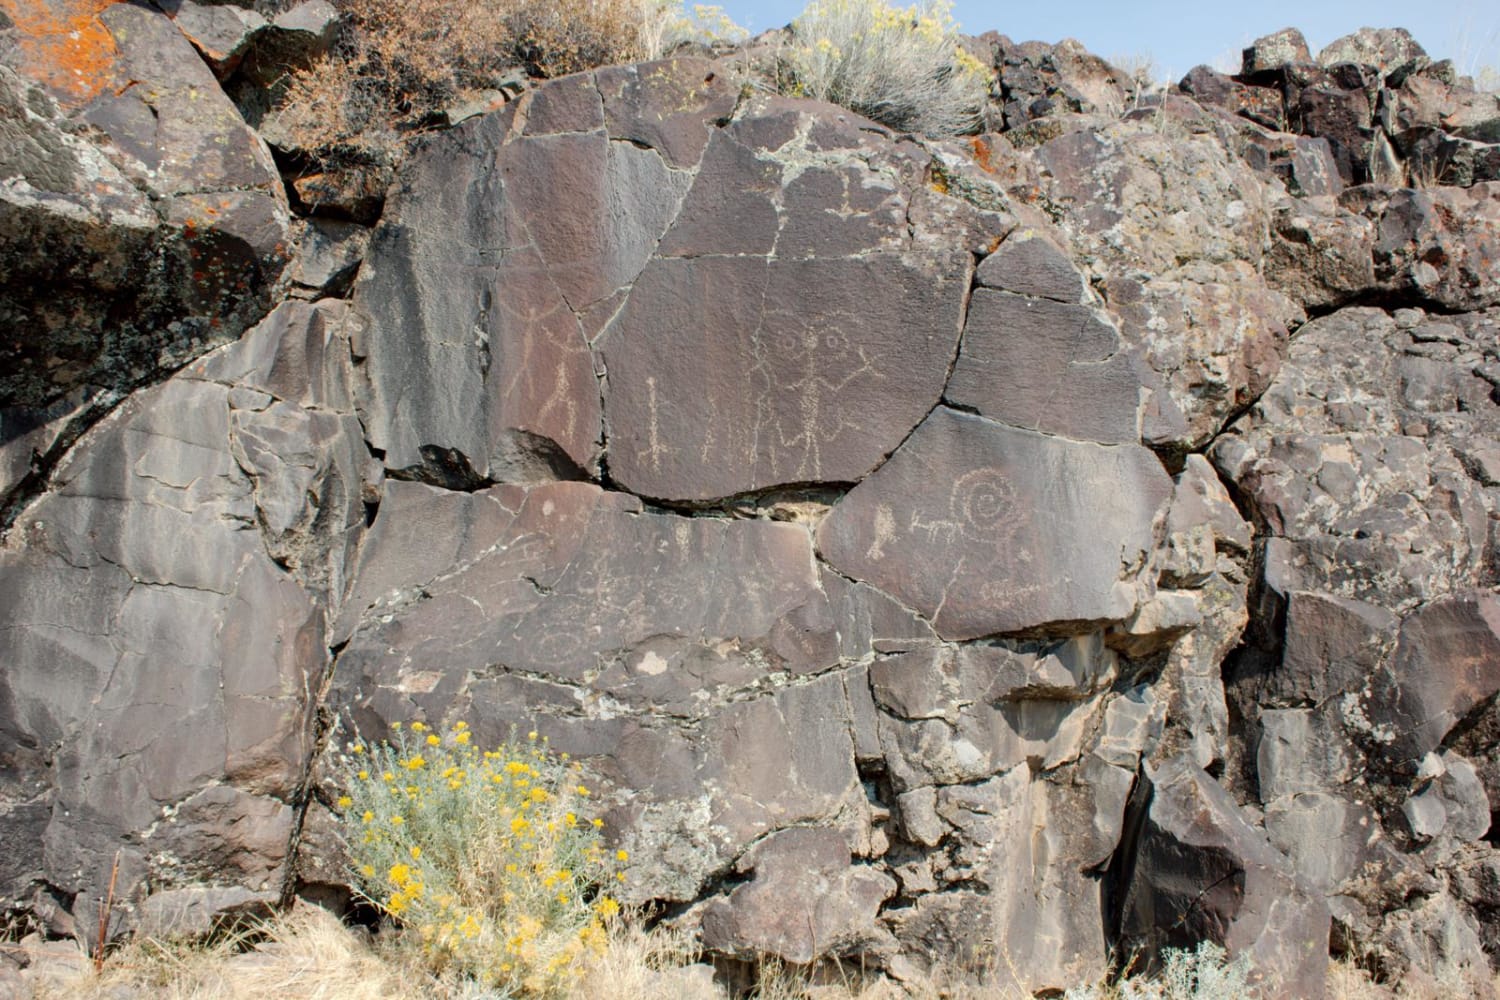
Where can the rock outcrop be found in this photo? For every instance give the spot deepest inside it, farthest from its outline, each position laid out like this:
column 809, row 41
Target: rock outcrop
column 1070, row 540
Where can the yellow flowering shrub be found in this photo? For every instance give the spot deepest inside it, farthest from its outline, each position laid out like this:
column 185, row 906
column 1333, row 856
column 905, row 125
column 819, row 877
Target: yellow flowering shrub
column 489, row 860
column 903, row 67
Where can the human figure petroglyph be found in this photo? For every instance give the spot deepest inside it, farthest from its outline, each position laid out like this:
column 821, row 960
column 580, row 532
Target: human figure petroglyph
column 812, row 360
column 655, row 450
column 535, row 332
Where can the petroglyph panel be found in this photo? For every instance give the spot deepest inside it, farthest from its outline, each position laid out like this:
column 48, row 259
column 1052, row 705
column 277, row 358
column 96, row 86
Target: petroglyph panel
column 985, row 529
column 729, row 375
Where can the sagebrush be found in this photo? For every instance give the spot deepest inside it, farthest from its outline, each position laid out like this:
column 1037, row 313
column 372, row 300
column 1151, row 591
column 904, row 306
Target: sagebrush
column 903, row 67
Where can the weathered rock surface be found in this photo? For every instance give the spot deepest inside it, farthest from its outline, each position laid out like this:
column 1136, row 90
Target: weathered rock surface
column 1353, row 460
column 141, row 224
column 158, row 647
column 1199, row 870
column 789, row 328
column 1174, row 228
column 934, row 550
column 948, row 527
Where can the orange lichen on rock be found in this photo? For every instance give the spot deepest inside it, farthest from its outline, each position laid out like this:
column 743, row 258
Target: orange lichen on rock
column 64, row 45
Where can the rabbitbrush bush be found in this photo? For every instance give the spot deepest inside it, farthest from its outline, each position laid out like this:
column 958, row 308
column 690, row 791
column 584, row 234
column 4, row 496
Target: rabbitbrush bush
column 905, row 68
column 488, row 860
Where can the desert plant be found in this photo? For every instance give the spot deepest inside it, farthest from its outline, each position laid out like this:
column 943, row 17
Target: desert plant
column 667, row 24
column 1204, row 973
column 399, row 63
column 905, row 68
column 488, row 860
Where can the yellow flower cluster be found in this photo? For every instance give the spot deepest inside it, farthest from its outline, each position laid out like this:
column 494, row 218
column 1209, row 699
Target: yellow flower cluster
column 488, row 860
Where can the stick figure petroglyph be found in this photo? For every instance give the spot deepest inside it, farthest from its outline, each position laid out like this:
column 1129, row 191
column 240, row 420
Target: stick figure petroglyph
column 807, row 361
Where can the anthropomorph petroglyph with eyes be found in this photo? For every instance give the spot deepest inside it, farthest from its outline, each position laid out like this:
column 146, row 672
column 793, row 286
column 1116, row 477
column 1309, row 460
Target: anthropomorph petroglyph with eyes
column 807, row 361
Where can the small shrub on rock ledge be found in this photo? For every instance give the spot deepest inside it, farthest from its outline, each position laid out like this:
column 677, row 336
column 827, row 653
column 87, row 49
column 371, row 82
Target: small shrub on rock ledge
column 488, row 860
column 400, row 63
column 903, row 68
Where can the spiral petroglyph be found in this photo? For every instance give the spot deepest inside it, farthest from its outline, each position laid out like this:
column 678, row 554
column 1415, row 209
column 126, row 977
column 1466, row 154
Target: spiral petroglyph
column 983, row 505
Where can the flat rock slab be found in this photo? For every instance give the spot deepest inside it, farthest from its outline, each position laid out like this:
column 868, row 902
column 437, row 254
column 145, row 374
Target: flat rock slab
column 1047, row 366
column 578, row 585
column 789, row 330
column 952, row 526
column 729, row 375
column 502, row 237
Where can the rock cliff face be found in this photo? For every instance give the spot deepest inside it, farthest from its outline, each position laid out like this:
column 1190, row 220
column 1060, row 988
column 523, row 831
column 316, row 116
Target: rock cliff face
column 1080, row 536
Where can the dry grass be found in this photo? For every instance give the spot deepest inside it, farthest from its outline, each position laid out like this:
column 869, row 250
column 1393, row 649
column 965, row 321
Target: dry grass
column 400, row 63
column 307, row 953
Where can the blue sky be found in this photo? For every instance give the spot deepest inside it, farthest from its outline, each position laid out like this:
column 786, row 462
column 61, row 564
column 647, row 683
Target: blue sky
column 1181, row 35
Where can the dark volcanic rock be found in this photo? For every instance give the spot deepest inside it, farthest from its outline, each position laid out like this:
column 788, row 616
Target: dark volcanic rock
column 1038, row 81
column 728, row 375
column 1271, row 52
column 1385, row 49
column 1049, row 367
column 948, row 526
column 774, row 340
column 149, row 637
column 139, row 234
column 1187, row 293
column 787, row 473
column 1200, row 872
column 804, row 901
column 1351, row 460
column 1029, row 264
column 1446, row 664
column 669, row 653
column 1440, row 244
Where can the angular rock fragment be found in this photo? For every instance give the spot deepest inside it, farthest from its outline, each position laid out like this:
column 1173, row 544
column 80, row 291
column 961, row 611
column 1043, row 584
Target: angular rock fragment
column 1271, row 52
column 1348, row 459
column 135, row 285
column 1049, row 367
column 805, row 901
column 1200, row 872
column 1446, row 663
column 1383, row 48
column 1029, row 264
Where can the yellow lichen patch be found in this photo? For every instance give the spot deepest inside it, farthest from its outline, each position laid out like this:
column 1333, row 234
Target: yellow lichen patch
column 64, row 45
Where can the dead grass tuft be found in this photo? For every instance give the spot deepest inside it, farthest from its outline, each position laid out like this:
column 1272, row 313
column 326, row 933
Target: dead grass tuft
column 305, row 953
column 400, row 63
